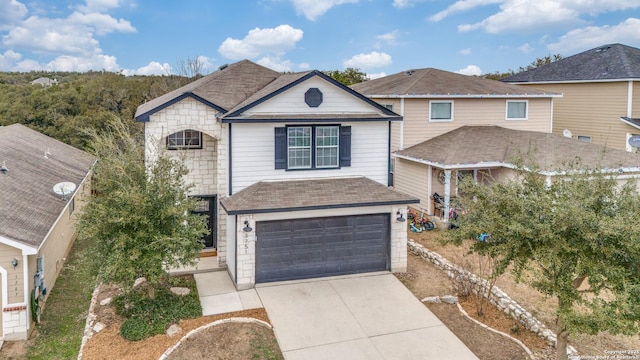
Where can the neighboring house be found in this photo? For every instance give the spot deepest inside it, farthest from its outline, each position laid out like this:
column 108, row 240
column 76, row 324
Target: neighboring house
column 435, row 102
column 292, row 170
column 36, row 223
column 601, row 87
column 44, row 81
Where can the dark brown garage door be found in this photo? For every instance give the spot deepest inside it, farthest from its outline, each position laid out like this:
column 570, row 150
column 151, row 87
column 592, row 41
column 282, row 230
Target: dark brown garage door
column 307, row 248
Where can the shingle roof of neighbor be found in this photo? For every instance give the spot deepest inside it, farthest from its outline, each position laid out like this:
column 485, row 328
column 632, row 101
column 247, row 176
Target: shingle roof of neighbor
column 29, row 206
column 429, row 81
column 607, row 62
column 461, row 148
column 297, row 195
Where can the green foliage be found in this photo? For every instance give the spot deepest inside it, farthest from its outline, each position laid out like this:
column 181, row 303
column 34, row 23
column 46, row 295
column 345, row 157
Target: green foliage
column 79, row 102
column 140, row 218
column 581, row 226
column 347, row 77
column 538, row 62
column 146, row 317
column 59, row 333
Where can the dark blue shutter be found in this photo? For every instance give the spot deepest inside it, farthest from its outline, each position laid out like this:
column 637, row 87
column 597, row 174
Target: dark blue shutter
column 281, row 147
column 345, row 146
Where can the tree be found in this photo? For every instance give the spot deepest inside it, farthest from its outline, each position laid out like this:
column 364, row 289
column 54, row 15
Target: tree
column 139, row 220
column 347, row 77
column 538, row 62
column 576, row 239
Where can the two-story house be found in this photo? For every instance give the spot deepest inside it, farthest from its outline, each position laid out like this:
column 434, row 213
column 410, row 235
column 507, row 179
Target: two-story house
column 435, row 105
column 601, row 102
column 292, row 170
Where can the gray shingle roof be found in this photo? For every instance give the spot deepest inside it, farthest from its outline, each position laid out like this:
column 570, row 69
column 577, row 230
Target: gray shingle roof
column 225, row 88
column 29, row 205
column 431, row 81
column 475, row 146
column 607, row 62
column 297, row 195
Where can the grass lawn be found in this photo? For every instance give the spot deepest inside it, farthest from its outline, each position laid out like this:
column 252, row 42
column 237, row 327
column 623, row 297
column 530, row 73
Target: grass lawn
column 59, row 334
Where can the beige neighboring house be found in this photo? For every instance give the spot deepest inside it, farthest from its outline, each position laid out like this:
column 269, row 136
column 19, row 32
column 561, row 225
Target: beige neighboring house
column 291, row 169
column 36, row 222
column 601, row 102
column 434, row 103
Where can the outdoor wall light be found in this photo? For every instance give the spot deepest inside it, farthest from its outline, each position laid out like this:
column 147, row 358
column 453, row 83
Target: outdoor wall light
column 14, row 262
column 247, row 228
column 400, row 218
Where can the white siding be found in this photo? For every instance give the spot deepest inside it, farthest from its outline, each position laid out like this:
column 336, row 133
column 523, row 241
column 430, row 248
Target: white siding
column 334, row 101
column 254, row 155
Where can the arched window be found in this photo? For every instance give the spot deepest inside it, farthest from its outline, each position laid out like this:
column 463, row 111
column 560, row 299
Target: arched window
column 186, row 139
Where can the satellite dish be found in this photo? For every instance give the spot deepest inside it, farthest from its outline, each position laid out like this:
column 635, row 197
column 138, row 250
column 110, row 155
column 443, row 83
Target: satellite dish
column 567, row 133
column 64, row 188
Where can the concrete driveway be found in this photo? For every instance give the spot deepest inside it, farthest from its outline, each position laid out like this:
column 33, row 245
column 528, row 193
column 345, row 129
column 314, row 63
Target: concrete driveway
column 372, row 317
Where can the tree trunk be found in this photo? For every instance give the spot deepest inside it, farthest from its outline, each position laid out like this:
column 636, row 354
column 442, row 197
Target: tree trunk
column 563, row 337
column 151, row 291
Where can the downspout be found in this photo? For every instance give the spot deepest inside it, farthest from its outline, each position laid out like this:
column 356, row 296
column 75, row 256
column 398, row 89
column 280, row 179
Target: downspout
column 447, row 194
column 429, row 187
column 401, row 143
column 630, row 99
column 230, row 184
column 27, row 293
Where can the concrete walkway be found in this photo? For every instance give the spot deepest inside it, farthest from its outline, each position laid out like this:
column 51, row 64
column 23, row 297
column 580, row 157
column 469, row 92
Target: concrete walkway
column 370, row 316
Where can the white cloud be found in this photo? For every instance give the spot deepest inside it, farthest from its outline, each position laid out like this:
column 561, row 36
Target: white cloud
column 303, row 66
column 526, row 48
column 532, row 15
column 8, row 60
column 102, row 23
column 71, row 39
column 261, row 41
column 466, row 51
column 376, row 75
column 462, row 5
column 390, row 37
column 470, row 70
column 592, row 36
column 313, row 9
column 153, row 68
column 11, row 12
column 401, row 4
column 275, row 63
column 368, row 61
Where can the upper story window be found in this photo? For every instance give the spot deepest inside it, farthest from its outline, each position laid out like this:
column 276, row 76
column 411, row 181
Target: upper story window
column 388, row 106
column 312, row 147
column 517, row 109
column 186, row 139
column 440, row 110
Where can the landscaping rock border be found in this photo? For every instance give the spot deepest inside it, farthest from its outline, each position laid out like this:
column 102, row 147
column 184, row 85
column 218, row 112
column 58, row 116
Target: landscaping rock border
column 91, row 318
column 498, row 298
column 214, row 323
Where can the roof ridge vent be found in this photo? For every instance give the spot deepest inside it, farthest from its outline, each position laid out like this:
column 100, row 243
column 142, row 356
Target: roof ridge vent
column 4, row 168
column 603, row 48
column 410, row 72
column 222, row 67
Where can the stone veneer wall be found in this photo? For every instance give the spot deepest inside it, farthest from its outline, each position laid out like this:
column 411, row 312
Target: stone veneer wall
column 498, row 298
column 398, row 241
column 245, row 253
column 207, row 166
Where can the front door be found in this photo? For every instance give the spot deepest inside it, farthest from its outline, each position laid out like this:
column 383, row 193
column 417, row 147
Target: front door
column 207, row 207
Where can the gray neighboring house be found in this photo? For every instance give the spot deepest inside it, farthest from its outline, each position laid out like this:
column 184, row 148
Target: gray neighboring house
column 44, row 81
column 36, row 224
column 601, row 88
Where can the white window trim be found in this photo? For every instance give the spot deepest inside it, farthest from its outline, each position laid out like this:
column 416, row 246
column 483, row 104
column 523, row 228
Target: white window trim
column 183, row 146
column 336, row 146
column 310, row 148
column 526, row 109
column 440, row 102
column 584, row 138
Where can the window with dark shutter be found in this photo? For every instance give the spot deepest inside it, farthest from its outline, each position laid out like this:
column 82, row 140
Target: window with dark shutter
column 312, row 147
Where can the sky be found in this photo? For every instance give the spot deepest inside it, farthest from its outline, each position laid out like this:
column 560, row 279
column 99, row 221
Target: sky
column 379, row 37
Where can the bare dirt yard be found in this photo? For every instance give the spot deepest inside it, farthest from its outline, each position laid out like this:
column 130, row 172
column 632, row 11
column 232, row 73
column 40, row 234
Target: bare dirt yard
column 543, row 308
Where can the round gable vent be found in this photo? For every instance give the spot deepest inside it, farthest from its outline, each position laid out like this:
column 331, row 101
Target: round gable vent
column 313, row 97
